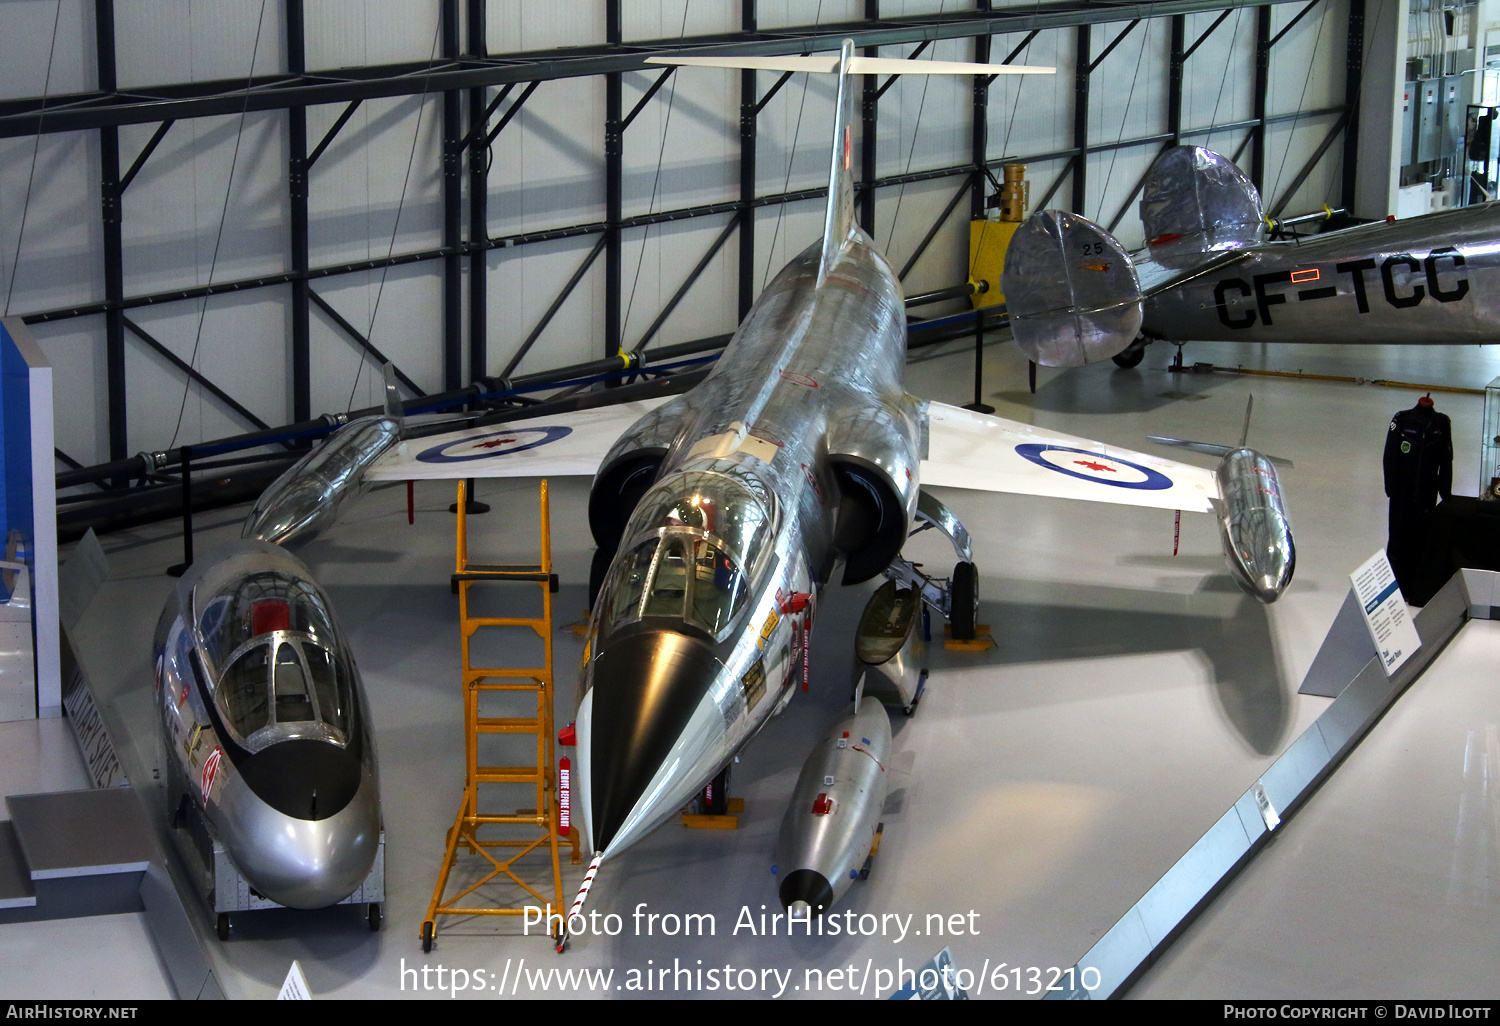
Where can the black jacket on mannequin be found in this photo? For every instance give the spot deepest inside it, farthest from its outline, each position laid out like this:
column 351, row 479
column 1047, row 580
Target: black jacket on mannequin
column 1418, row 470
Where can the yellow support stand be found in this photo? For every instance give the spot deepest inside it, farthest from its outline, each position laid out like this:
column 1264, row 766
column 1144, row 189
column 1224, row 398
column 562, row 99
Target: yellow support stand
column 502, row 839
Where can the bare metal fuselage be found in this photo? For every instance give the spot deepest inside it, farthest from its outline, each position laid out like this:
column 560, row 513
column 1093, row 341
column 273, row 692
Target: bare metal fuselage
column 1433, row 279
column 812, row 377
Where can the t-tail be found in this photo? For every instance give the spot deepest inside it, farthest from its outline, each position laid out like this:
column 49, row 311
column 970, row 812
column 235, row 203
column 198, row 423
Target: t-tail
column 1253, row 524
column 839, row 225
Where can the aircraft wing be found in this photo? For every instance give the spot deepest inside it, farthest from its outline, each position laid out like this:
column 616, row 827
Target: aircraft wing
column 567, row 444
column 972, row 450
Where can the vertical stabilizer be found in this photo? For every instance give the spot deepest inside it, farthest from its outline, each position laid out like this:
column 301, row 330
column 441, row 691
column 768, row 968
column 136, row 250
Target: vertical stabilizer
column 838, row 222
column 392, row 398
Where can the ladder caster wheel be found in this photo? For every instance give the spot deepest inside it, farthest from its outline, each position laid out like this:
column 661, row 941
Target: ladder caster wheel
column 426, row 937
column 222, row 926
column 374, row 916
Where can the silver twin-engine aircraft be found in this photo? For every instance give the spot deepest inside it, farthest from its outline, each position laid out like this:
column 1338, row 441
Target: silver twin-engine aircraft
column 727, row 509
column 1211, row 273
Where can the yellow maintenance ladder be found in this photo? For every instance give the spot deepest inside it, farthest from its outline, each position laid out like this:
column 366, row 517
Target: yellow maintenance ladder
column 502, row 839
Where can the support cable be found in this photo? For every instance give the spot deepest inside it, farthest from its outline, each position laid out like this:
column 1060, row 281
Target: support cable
column 1129, row 97
column 239, row 134
column 35, row 149
column 790, row 157
column 1223, row 81
column 911, row 150
column 661, row 154
column 400, row 205
column 1306, row 81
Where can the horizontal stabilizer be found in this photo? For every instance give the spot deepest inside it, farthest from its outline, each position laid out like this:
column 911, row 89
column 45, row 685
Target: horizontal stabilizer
column 829, row 63
column 1207, row 448
column 1210, row 449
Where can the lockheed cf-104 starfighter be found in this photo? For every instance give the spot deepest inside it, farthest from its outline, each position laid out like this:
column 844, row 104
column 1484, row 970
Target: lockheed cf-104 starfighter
column 724, row 511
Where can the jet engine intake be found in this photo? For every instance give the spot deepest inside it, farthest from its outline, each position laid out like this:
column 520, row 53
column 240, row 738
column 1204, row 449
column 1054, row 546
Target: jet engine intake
column 1071, row 289
column 617, row 489
column 872, row 520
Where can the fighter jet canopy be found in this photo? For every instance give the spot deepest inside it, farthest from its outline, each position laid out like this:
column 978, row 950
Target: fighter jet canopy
column 277, row 667
column 695, row 543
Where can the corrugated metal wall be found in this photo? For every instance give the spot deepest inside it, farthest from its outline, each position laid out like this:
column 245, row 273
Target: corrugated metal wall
column 211, row 203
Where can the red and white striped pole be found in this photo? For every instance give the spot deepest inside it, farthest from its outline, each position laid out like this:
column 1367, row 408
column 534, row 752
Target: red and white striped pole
column 583, row 892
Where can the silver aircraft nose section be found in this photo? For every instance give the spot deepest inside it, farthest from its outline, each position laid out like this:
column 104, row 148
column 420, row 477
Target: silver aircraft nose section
column 644, row 733
column 289, row 856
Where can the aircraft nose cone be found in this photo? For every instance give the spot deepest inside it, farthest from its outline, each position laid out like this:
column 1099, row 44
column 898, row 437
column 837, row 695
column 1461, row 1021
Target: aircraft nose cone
column 1263, row 554
column 806, row 888
column 646, row 687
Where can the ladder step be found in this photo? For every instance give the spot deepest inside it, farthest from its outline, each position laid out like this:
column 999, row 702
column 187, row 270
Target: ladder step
column 508, row 775
column 508, row 725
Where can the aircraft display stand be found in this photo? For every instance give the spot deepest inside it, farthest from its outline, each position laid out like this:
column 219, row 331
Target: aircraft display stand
column 487, row 846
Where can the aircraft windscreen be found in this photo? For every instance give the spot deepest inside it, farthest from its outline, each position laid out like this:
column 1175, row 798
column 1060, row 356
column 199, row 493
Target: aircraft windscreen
column 682, row 575
column 265, row 697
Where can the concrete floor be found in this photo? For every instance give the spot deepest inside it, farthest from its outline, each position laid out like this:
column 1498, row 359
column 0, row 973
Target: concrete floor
column 1131, row 697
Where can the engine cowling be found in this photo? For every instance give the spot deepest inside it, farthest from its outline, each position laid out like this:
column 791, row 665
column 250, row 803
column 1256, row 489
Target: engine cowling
column 630, row 467
column 874, row 457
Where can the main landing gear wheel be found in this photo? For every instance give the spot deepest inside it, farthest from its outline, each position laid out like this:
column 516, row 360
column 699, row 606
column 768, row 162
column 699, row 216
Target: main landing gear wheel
column 223, row 926
column 374, row 916
column 427, row 937
column 963, row 601
column 1130, row 357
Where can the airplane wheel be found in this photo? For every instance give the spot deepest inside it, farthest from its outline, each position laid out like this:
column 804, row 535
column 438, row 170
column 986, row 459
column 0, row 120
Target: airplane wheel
column 223, row 926
column 1131, row 357
column 426, row 937
column 963, row 600
column 374, row 914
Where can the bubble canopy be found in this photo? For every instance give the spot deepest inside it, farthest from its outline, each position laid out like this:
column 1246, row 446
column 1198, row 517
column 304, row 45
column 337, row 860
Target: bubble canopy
column 277, row 665
column 695, row 545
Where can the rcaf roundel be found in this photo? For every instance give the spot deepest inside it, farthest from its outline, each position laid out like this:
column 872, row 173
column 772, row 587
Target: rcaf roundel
column 1092, row 466
column 496, row 443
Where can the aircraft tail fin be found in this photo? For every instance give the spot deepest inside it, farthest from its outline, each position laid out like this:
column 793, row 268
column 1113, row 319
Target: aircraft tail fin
column 393, row 408
column 838, row 221
column 838, row 224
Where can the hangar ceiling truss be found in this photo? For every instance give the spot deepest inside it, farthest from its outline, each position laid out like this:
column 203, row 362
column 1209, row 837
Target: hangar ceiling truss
column 477, row 86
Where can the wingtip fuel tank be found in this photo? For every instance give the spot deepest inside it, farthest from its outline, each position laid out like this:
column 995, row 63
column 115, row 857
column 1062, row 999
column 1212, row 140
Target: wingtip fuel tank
column 306, row 498
column 1254, row 528
column 829, row 827
column 1253, row 525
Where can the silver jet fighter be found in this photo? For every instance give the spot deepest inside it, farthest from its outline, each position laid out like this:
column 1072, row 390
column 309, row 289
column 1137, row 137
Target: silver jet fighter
column 265, row 723
column 1211, row 273
column 722, row 512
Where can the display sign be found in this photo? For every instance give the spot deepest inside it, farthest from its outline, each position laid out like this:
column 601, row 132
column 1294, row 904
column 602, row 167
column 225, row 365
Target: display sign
column 295, row 988
column 1384, row 609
